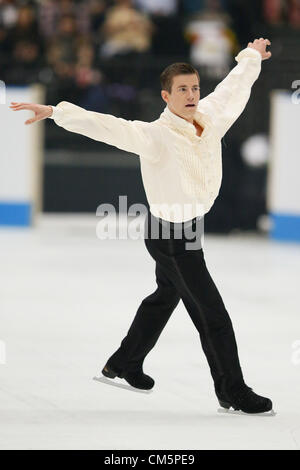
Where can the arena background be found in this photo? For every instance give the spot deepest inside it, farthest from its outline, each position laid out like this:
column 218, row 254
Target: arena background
column 67, row 298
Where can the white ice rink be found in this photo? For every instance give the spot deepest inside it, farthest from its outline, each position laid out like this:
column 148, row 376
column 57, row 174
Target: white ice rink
column 67, row 300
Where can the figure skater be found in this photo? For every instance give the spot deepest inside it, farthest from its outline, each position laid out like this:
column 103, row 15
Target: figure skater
column 180, row 157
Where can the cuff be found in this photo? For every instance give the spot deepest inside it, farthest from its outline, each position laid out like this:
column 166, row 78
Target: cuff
column 248, row 52
column 56, row 111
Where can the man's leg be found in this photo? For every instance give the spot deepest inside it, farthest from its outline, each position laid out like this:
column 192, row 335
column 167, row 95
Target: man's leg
column 150, row 319
column 187, row 270
column 209, row 315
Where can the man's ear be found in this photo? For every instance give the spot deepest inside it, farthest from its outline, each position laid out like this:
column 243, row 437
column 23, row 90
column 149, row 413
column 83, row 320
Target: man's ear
column 165, row 95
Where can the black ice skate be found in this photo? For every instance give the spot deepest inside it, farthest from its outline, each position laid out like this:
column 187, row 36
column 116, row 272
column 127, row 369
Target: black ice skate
column 246, row 401
column 138, row 381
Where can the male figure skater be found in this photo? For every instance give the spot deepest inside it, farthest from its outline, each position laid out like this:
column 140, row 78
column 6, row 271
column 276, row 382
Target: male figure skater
column 180, row 156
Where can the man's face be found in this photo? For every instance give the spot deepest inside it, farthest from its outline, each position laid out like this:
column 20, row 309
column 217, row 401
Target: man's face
column 185, row 93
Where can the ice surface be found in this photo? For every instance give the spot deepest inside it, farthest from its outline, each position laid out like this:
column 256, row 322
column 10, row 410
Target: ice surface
column 67, row 300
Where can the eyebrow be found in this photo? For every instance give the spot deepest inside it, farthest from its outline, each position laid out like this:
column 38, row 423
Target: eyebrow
column 180, row 86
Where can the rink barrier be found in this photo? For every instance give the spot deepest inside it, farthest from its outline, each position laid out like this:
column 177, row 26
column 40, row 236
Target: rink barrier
column 283, row 188
column 285, row 227
column 15, row 214
column 21, row 161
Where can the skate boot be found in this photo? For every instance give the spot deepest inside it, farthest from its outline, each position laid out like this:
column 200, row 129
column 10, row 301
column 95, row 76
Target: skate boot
column 136, row 379
column 244, row 399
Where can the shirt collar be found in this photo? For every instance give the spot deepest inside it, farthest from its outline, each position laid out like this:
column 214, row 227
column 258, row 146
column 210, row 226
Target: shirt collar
column 179, row 123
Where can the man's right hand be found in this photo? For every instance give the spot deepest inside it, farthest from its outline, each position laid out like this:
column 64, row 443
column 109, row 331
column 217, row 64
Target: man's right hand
column 260, row 45
column 41, row 111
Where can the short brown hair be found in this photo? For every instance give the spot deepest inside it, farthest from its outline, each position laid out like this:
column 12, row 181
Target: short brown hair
column 178, row 68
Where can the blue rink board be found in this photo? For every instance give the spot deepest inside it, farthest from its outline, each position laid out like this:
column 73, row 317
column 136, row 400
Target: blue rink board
column 15, row 213
column 285, row 227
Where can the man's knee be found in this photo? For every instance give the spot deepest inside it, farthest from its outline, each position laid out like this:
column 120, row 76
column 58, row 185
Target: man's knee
column 164, row 294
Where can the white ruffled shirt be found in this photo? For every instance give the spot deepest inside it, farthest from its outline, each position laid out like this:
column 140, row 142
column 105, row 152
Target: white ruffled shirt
column 181, row 171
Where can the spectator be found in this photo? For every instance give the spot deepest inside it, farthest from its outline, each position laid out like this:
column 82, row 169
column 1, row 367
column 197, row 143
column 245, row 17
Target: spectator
column 63, row 48
column 281, row 12
column 50, row 13
column 25, row 63
column 212, row 40
column 24, row 47
column 85, row 72
column 294, row 13
column 273, row 11
column 8, row 13
column 97, row 13
column 61, row 58
column 26, row 27
column 89, row 81
column 168, row 24
column 125, row 30
column 80, row 9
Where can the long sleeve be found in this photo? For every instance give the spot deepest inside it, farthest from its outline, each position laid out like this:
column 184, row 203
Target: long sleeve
column 225, row 104
column 142, row 138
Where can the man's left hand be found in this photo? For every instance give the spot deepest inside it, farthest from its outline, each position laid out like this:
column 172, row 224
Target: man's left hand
column 260, row 45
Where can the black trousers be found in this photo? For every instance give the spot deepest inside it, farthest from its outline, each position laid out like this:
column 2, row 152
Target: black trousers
column 182, row 273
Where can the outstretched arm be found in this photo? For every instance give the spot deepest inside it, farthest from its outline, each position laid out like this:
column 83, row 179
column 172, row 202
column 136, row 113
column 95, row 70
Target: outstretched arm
column 137, row 137
column 225, row 104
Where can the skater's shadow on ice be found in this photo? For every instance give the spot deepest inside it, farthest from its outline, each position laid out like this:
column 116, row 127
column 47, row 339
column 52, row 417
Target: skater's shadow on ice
column 220, row 410
column 116, row 384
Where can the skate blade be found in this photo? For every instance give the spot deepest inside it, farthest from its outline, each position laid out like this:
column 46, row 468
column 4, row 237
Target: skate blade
column 239, row 412
column 112, row 382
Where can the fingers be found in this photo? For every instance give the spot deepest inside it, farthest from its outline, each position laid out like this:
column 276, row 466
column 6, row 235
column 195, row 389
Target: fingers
column 16, row 106
column 266, row 55
column 267, row 41
column 30, row 121
column 19, row 106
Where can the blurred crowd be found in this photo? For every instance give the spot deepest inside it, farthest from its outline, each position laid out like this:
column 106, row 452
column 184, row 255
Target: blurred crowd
column 107, row 55
column 67, row 44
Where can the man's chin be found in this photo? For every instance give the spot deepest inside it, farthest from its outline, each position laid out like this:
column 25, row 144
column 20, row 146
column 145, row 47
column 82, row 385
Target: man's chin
column 189, row 111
